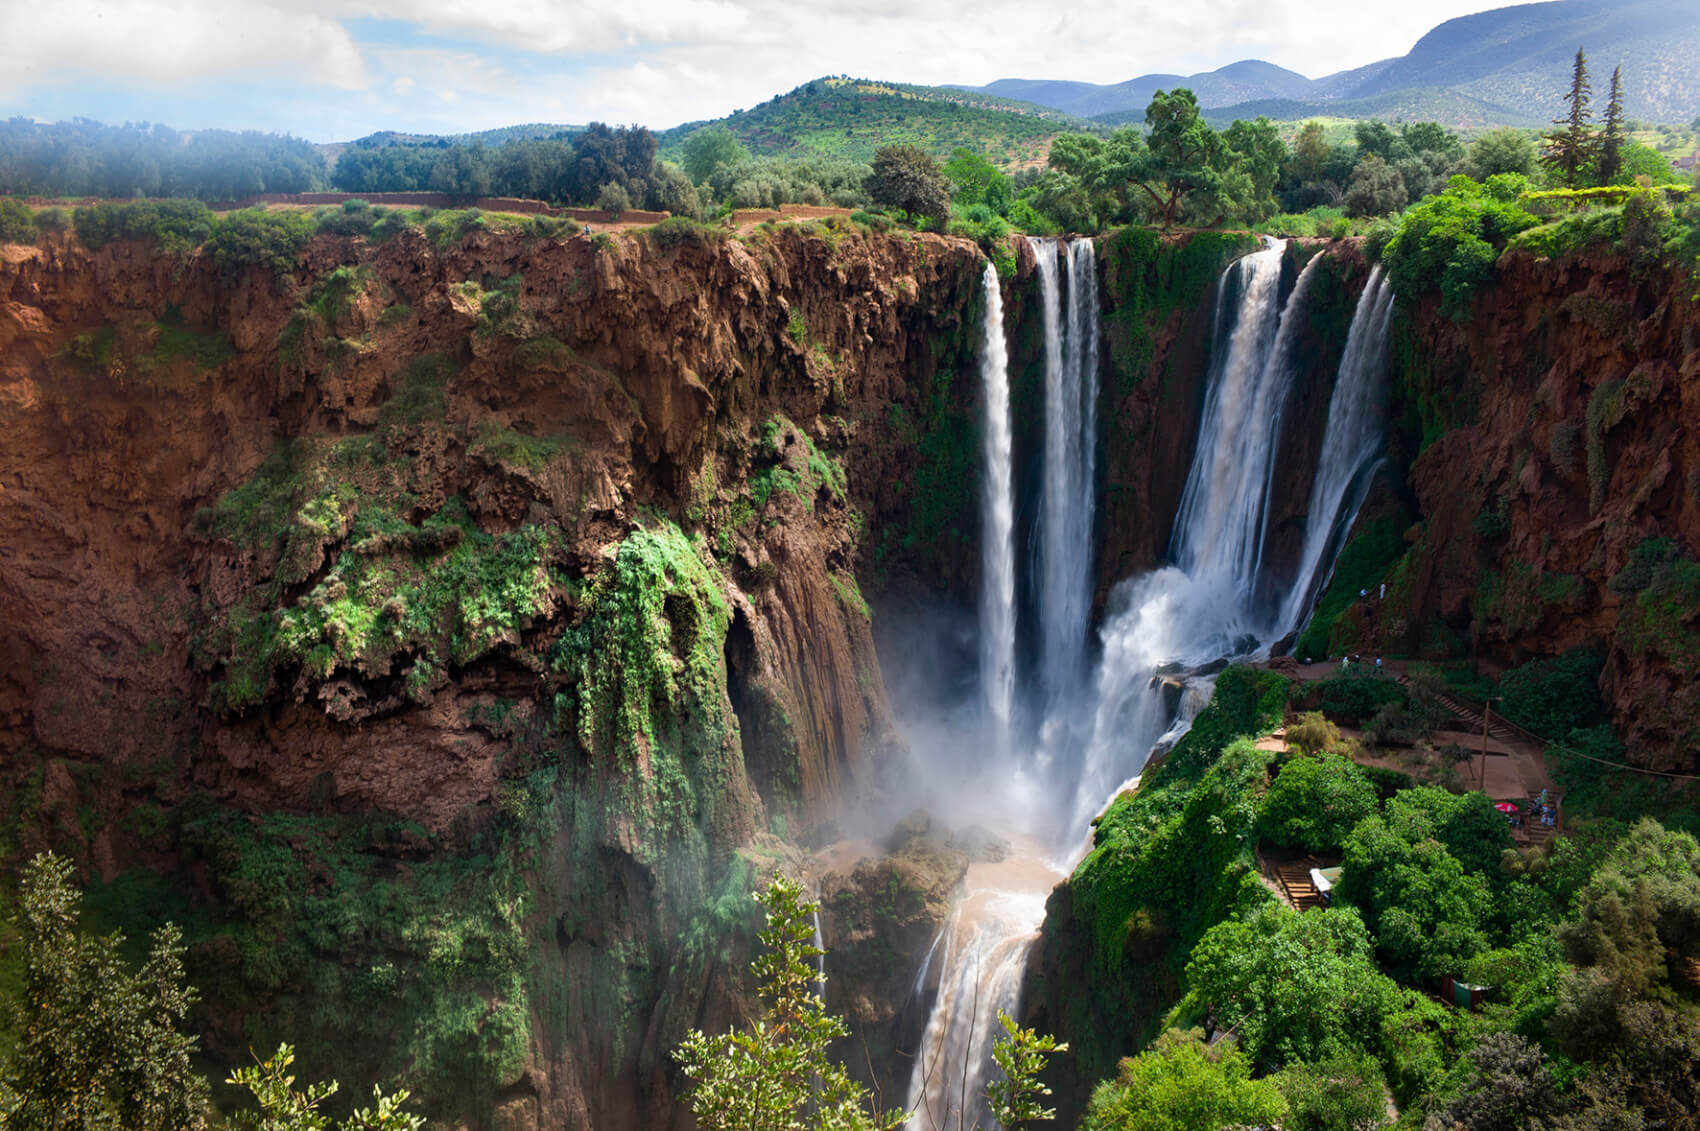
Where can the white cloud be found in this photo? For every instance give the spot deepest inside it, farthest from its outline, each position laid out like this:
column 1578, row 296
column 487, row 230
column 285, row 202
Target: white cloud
column 661, row 62
column 173, row 41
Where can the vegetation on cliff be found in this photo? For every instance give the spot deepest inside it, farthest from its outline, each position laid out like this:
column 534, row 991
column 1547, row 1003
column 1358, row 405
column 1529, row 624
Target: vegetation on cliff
column 1578, row 944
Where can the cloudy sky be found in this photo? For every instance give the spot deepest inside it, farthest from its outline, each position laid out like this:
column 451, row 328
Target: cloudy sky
column 331, row 70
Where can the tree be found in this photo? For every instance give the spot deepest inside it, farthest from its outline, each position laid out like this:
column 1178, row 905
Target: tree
column 1510, row 1088
column 709, row 149
column 1258, row 151
column 905, row 177
column 1570, row 148
column 1610, row 161
column 1376, row 188
column 1021, row 1054
column 1504, row 150
column 1268, row 975
column 777, row 1076
column 1180, row 169
column 1314, row 802
column 99, row 1045
column 1182, row 1084
column 282, row 1108
column 974, row 180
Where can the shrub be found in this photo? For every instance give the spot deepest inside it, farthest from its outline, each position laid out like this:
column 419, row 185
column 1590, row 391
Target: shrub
column 352, row 218
column 1356, row 695
column 255, row 236
column 1553, row 696
column 447, row 228
column 1180, row 1083
column 173, row 225
column 17, row 222
column 1314, row 802
column 613, row 197
column 676, row 231
column 1453, row 239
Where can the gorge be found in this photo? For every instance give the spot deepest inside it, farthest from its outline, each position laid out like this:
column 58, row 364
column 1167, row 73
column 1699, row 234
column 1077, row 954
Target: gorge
column 451, row 633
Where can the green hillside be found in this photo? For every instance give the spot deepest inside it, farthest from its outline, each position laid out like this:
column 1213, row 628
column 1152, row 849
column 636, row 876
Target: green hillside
column 1417, row 104
column 851, row 118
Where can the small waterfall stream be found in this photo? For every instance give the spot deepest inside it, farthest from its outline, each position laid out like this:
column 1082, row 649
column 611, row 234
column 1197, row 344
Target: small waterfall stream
column 997, row 520
column 1350, row 449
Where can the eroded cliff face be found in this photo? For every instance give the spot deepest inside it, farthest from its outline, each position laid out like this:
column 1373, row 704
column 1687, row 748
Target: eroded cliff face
column 1555, row 474
column 462, row 631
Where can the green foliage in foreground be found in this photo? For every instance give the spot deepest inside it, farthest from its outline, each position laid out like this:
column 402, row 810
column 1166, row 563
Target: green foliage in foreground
column 778, row 1075
column 99, row 1044
column 283, row 1108
column 1182, row 1084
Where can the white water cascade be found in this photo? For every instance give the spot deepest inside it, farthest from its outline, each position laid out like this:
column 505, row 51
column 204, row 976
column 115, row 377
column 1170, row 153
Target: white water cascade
column 1201, row 608
column 1065, row 523
column 997, row 520
column 1350, row 448
column 1160, row 626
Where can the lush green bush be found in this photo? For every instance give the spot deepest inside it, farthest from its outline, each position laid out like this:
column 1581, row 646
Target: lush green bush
column 1450, row 241
column 17, row 221
column 1293, row 986
column 1358, row 693
column 351, row 218
column 262, row 238
column 678, row 231
column 1182, row 1084
column 173, row 225
column 1314, row 802
column 1344, row 1091
column 1550, row 697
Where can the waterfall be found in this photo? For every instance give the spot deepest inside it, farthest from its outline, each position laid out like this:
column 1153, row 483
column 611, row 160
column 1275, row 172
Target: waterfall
column 997, row 520
column 1065, row 523
column 985, row 954
column 1200, row 608
column 1349, row 448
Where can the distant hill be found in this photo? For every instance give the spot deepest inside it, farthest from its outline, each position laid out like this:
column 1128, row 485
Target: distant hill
column 851, row 118
column 1509, row 66
column 1237, row 82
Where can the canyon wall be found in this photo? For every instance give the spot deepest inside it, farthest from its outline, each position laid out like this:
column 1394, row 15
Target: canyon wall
column 1546, row 476
column 450, row 636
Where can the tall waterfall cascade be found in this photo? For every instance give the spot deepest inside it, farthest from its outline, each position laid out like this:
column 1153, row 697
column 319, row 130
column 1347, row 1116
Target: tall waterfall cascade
column 1096, row 729
column 1065, row 523
column 997, row 520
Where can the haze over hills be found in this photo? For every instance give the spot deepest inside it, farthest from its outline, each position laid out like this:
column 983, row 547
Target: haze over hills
column 1503, row 67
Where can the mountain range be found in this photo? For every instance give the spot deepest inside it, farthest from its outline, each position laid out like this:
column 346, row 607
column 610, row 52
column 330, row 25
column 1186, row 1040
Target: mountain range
column 1508, row 66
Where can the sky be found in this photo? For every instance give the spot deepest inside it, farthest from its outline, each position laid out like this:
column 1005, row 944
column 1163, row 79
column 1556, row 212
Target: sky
column 333, row 70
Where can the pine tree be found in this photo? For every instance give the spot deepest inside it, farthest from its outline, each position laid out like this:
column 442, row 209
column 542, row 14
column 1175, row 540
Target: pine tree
column 1611, row 135
column 1569, row 148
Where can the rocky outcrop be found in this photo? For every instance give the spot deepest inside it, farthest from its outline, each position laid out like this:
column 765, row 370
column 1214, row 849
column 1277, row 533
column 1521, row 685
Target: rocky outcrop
column 1556, row 477
column 450, row 624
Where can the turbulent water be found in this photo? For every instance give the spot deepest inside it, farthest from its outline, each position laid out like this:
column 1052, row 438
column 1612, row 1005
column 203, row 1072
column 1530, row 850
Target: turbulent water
column 1097, row 732
column 997, row 520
